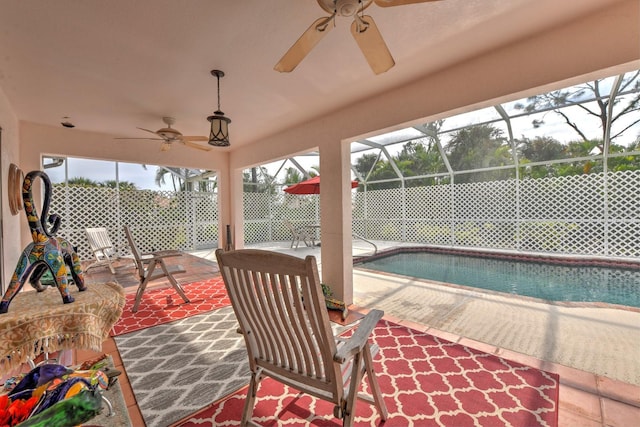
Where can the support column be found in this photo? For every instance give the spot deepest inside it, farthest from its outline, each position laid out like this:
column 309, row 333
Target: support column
column 230, row 207
column 335, row 219
column 237, row 209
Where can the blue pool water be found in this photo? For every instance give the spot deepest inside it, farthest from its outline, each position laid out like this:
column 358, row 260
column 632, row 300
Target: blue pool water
column 551, row 282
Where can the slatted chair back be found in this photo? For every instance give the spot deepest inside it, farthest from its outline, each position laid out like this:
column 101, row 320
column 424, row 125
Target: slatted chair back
column 152, row 266
column 137, row 255
column 280, row 307
column 103, row 250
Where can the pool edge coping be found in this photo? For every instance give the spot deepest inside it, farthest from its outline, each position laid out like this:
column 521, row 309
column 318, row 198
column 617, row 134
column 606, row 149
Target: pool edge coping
column 529, row 257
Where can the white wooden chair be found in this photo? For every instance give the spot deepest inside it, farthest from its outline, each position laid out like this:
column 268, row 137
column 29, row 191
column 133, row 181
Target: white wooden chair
column 146, row 265
column 279, row 304
column 300, row 234
column 103, row 250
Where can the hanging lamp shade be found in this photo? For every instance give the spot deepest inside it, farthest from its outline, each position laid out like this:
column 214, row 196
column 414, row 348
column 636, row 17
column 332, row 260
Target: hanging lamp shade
column 219, row 134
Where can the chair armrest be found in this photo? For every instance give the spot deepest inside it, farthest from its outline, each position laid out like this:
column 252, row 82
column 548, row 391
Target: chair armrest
column 163, row 254
column 359, row 338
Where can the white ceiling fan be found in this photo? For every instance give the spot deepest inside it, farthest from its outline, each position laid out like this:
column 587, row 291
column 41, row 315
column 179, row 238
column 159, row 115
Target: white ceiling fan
column 170, row 135
column 363, row 29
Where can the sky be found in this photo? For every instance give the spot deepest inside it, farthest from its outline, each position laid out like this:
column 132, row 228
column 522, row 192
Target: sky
column 98, row 170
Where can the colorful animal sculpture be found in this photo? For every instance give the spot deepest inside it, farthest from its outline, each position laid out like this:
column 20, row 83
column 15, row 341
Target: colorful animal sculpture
column 46, row 252
column 71, row 260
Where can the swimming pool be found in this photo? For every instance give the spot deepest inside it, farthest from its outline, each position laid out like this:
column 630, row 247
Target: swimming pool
column 552, row 282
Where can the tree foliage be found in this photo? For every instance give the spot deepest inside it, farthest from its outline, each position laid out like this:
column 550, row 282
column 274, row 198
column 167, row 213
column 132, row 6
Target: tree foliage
column 181, row 184
column 479, row 147
column 109, row 183
column 483, row 153
column 603, row 108
column 258, row 180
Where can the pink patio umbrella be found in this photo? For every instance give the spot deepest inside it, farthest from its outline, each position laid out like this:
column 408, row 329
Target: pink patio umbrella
column 310, row 186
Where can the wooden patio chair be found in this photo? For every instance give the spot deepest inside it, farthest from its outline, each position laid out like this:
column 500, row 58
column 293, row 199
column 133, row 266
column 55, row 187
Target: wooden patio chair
column 152, row 266
column 278, row 301
column 103, row 250
column 300, row 233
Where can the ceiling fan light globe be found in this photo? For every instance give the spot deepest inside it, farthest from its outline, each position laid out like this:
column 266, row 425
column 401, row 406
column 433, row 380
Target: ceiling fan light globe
column 347, row 7
column 169, row 133
column 344, row 8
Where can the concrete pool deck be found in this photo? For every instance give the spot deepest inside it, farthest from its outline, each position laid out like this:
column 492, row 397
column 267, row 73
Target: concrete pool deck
column 603, row 341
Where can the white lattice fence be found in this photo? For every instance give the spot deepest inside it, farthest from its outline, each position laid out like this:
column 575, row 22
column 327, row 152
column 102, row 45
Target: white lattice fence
column 159, row 220
column 429, row 211
column 623, row 227
column 359, row 213
column 570, row 215
column 484, row 214
column 300, row 210
column 257, row 217
column 564, row 215
column 81, row 208
column 264, row 215
column 204, row 209
column 384, row 214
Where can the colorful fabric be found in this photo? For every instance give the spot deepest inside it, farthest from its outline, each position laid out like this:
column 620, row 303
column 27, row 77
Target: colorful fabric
column 39, row 322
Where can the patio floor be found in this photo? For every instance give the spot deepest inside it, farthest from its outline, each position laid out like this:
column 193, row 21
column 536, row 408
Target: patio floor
column 519, row 329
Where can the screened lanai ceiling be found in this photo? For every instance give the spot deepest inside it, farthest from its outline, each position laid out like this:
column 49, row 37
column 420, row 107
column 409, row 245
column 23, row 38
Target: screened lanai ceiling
column 506, row 114
column 560, row 126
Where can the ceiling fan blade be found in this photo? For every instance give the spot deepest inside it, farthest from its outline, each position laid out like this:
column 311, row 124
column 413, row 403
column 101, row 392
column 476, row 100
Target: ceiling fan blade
column 371, row 43
column 192, row 145
column 304, row 44
column 387, row 3
column 150, row 131
column 148, row 139
column 195, row 138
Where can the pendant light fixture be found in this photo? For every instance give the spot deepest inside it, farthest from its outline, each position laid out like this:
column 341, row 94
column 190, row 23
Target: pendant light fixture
column 219, row 135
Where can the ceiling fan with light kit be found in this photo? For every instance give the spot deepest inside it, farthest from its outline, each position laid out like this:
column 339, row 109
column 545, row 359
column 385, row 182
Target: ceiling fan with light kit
column 169, row 135
column 363, row 29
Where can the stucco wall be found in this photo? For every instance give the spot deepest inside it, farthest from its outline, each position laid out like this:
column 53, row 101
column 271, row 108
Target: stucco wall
column 9, row 152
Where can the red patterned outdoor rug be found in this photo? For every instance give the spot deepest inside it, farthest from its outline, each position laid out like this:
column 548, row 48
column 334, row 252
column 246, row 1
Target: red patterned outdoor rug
column 425, row 381
column 164, row 305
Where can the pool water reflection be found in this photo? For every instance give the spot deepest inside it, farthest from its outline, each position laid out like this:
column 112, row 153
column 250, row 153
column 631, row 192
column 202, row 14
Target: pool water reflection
column 552, row 282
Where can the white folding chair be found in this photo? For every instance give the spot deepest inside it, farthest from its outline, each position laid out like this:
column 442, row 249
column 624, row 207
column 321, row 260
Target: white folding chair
column 300, row 234
column 103, row 250
column 149, row 272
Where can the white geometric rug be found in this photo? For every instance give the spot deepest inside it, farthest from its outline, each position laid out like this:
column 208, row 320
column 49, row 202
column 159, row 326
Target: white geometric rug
column 177, row 368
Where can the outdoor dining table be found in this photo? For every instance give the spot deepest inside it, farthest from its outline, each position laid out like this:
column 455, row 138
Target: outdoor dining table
column 39, row 322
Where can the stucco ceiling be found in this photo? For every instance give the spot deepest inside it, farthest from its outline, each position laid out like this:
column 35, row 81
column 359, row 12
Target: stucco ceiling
column 111, row 66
